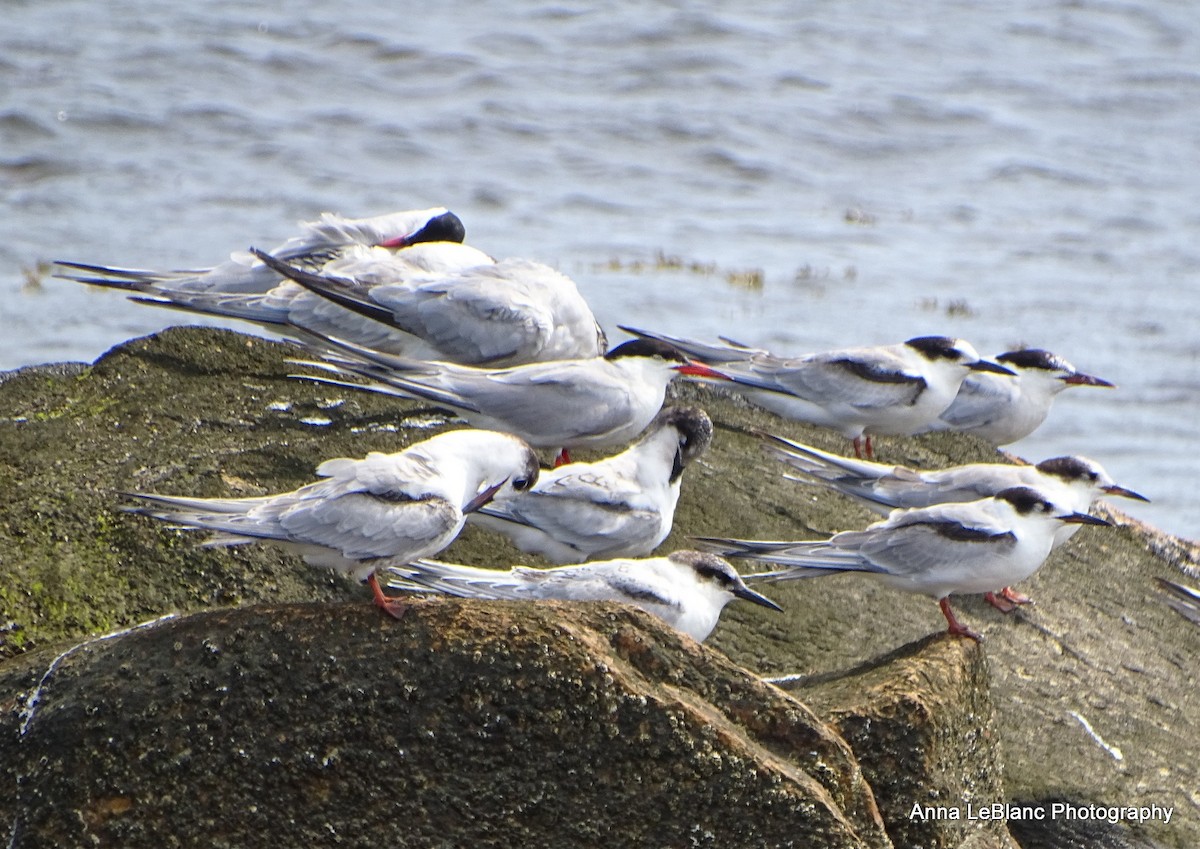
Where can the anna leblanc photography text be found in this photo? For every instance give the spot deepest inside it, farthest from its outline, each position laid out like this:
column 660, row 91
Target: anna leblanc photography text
column 1053, row 811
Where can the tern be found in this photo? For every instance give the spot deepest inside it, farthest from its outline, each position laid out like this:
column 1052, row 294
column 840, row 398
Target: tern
column 621, row 506
column 477, row 312
column 1071, row 482
column 566, row 404
column 966, row 547
column 319, row 243
column 1002, row 410
column 382, row 510
column 686, row 589
column 892, row 390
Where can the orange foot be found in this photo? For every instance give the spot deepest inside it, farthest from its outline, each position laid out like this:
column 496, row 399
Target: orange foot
column 1007, row 600
column 955, row 627
column 393, row 607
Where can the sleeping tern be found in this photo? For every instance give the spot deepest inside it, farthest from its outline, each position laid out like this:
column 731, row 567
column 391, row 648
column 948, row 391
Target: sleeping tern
column 1072, row 482
column 621, row 506
column 686, row 589
column 1003, row 409
column 860, row 392
column 481, row 312
column 587, row 403
column 966, row 547
column 383, row 510
column 319, row 243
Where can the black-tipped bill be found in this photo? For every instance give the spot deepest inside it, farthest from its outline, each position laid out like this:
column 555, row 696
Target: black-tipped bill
column 1078, row 379
column 748, row 594
column 1083, row 519
column 988, row 365
column 484, row 498
column 1125, row 493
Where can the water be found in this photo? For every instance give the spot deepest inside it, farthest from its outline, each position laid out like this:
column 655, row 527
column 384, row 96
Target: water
column 1023, row 174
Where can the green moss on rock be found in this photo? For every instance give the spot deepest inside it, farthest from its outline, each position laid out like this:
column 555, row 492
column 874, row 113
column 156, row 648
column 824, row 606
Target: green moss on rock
column 210, row 412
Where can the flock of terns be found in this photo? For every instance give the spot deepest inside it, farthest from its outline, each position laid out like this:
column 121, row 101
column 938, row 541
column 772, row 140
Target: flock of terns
column 398, row 305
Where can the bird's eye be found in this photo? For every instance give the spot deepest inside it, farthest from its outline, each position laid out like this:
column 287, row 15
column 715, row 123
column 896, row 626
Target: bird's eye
column 521, row 484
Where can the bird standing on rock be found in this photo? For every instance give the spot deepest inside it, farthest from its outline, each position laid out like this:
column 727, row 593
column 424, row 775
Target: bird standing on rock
column 382, row 510
column 588, row 403
column 1073, row 483
column 968, row 547
column 1001, row 410
column 892, row 390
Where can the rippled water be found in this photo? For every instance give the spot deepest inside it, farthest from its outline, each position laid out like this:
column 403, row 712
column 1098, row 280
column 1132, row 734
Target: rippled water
column 1016, row 175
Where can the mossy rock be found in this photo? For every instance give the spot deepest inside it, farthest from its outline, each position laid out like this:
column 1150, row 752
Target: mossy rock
column 209, row 412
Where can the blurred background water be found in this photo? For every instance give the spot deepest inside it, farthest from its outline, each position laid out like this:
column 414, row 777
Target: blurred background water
column 839, row 173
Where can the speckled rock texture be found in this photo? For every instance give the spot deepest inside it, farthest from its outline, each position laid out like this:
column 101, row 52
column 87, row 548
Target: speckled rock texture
column 1093, row 688
column 464, row 724
column 920, row 722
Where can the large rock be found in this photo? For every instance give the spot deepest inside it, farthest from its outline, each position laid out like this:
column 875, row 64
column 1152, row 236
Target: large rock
column 919, row 720
column 465, row 724
column 1092, row 688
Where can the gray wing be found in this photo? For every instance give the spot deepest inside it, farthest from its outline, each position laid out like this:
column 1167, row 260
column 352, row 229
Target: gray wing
column 384, row 505
column 907, row 488
column 549, row 400
column 481, row 316
column 588, row 512
column 358, row 525
column 959, row 483
column 518, row 583
column 462, row 581
column 626, row 581
column 705, row 352
column 832, row 380
column 981, row 399
column 928, row 543
column 364, row 526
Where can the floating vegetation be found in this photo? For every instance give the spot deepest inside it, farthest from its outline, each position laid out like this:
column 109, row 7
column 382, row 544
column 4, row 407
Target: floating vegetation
column 955, row 308
column 807, row 273
column 959, row 307
column 34, row 276
column 660, row 262
column 854, row 215
column 751, row 278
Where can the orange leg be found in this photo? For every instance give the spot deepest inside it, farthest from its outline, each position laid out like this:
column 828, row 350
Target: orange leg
column 393, row 607
column 956, row 628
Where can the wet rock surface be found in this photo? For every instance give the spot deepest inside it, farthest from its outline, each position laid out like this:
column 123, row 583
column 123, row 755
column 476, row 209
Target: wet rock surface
column 1092, row 689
